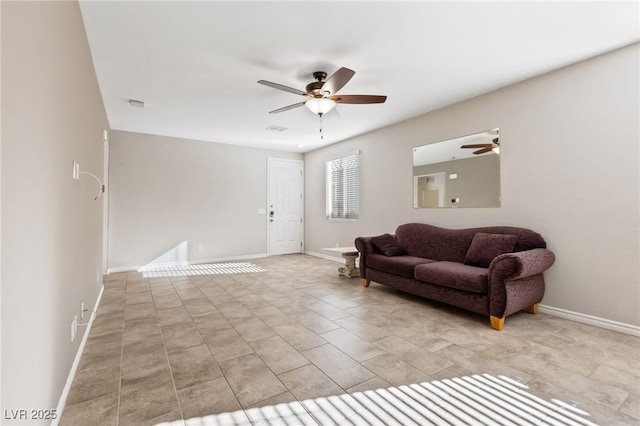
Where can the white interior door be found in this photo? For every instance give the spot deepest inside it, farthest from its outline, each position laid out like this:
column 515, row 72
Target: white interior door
column 284, row 209
column 429, row 190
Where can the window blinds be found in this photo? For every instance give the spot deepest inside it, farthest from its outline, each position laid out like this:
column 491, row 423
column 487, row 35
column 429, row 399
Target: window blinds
column 343, row 187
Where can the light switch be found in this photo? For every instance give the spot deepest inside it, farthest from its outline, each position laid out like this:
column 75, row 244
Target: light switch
column 262, row 211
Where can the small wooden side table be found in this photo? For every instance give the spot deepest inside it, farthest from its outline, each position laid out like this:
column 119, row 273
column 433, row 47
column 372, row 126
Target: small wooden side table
column 350, row 255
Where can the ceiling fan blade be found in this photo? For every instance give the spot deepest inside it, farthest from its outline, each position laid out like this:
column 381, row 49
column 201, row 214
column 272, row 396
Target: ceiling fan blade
column 281, row 87
column 337, row 80
column 477, row 145
column 483, row 150
column 359, row 99
column 287, row 108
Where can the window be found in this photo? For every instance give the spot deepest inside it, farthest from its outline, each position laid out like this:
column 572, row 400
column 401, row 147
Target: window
column 343, row 187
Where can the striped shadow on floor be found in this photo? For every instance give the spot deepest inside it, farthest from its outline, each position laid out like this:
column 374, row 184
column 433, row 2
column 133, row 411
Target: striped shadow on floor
column 470, row 400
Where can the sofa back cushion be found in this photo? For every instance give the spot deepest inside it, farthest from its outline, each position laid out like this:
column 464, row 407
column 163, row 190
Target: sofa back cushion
column 388, row 244
column 485, row 247
column 432, row 242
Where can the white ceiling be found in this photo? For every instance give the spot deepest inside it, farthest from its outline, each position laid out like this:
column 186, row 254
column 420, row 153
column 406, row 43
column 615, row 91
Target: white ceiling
column 196, row 64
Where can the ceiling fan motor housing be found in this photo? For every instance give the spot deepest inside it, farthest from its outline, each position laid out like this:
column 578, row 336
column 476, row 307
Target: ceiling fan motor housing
column 320, row 75
column 313, row 88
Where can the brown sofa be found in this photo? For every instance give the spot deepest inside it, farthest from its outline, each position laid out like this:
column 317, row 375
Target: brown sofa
column 493, row 271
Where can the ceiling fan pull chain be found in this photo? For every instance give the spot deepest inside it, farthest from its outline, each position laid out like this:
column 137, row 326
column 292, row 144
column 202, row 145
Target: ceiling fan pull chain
column 321, row 135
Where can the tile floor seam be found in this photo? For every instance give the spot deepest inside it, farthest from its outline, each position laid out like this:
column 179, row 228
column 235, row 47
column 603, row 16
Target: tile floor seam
column 120, row 381
column 322, row 372
column 166, row 354
column 292, row 369
column 265, row 364
column 347, row 355
column 224, row 376
column 274, row 373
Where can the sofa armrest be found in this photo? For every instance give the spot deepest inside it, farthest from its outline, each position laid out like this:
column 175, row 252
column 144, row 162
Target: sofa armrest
column 516, row 281
column 521, row 264
column 365, row 247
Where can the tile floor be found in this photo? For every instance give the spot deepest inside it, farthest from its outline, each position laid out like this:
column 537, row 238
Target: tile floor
column 178, row 347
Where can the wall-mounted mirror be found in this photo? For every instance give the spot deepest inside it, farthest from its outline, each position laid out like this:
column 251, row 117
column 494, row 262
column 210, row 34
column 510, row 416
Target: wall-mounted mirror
column 460, row 172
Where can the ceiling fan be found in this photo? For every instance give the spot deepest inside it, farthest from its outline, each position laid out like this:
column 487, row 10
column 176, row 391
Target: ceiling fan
column 485, row 147
column 322, row 93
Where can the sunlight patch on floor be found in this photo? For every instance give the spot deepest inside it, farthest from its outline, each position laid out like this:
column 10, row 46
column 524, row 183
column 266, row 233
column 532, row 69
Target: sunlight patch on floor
column 180, row 270
column 174, row 263
column 470, row 400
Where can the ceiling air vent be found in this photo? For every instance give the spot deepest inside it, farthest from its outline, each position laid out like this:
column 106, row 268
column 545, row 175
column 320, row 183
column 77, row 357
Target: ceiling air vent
column 136, row 103
column 274, row 128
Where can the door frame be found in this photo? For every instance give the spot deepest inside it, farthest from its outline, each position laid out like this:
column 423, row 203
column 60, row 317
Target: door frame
column 441, row 195
column 105, row 201
column 289, row 160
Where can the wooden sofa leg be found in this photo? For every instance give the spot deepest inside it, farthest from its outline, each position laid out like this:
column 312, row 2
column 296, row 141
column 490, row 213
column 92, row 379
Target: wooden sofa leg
column 533, row 309
column 365, row 282
column 497, row 323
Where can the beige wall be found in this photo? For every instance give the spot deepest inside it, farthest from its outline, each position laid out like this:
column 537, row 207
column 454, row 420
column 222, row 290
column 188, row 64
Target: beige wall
column 164, row 191
column 52, row 114
column 569, row 170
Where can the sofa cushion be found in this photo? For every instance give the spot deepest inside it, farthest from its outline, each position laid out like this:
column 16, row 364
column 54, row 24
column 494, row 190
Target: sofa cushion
column 454, row 275
column 398, row 265
column 485, row 247
column 432, row 242
column 388, row 244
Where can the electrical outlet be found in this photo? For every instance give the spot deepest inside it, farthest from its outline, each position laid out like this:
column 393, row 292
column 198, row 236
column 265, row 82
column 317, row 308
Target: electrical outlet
column 74, row 327
column 200, row 247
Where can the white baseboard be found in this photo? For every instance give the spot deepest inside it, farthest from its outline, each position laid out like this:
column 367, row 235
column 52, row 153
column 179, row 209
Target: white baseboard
column 76, row 361
column 325, row 256
column 191, row 262
column 591, row 320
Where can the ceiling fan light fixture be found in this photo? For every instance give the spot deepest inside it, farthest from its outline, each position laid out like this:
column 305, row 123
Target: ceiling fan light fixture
column 320, row 106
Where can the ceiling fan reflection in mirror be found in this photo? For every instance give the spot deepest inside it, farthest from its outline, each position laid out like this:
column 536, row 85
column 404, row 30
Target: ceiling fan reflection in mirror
column 485, row 147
